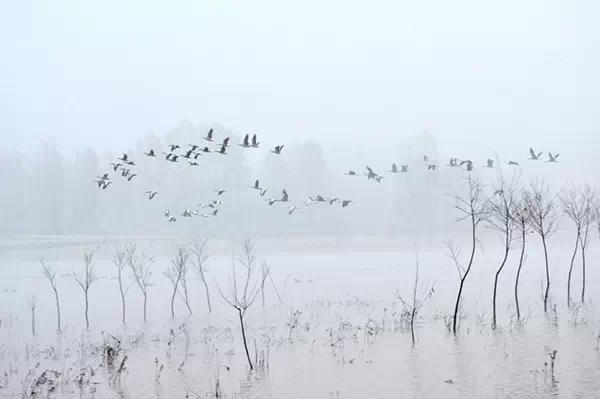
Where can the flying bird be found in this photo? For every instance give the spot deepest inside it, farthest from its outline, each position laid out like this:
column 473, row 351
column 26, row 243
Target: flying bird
column 404, row 168
column 220, row 191
column 490, row 163
column 223, row 150
column 225, row 142
column 394, row 168
column 370, row 173
column 131, row 176
column 123, row 158
column 193, row 163
column 246, row 142
column 431, row 167
column 150, row 153
column 513, row 163
column 284, row 197
column 255, row 143
column 209, row 136
column 552, row 157
column 351, row 173
column 115, row 165
column 151, row 194
column 277, row 149
column 533, row 156
column 263, row 192
column 291, row 209
column 173, row 147
column 345, row 203
column 256, row 185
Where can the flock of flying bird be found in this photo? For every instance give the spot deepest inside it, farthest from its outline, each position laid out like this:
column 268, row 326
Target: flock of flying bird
column 123, row 166
column 453, row 163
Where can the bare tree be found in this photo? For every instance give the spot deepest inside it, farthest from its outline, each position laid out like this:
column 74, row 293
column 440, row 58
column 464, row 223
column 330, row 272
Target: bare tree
column 176, row 273
column 243, row 293
column 85, row 279
column 118, row 259
column 521, row 218
column 590, row 199
column 500, row 218
column 266, row 274
column 142, row 273
column 199, row 261
column 541, row 205
column 419, row 298
column 50, row 275
column 475, row 208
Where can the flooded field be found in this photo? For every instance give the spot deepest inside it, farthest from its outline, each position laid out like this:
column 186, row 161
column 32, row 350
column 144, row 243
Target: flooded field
column 331, row 326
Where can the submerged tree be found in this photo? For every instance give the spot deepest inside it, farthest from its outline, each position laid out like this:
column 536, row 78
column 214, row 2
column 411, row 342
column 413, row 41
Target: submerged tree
column 474, row 207
column 419, row 298
column 590, row 199
column 140, row 267
column 243, row 293
column 199, row 261
column 85, row 279
column 541, row 205
column 177, row 275
column 50, row 275
column 521, row 219
column 118, row 259
column 502, row 206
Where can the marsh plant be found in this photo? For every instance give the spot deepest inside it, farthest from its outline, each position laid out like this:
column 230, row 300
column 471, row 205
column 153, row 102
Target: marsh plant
column 421, row 293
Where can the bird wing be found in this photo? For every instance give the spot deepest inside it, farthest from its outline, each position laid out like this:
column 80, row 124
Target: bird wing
column 532, row 153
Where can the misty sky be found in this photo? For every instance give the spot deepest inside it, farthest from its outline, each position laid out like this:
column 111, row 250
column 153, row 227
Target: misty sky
column 489, row 73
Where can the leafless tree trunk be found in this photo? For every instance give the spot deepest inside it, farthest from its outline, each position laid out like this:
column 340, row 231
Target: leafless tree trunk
column 118, row 259
column 176, row 273
column 521, row 218
column 85, row 280
column 242, row 299
column 590, row 199
column 50, row 275
column 199, row 262
column 140, row 267
column 543, row 220
column 474, row 208
column 502, row 206
column 418, row 300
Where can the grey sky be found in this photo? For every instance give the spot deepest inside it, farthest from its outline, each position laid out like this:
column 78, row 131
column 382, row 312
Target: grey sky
column 492, row 74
